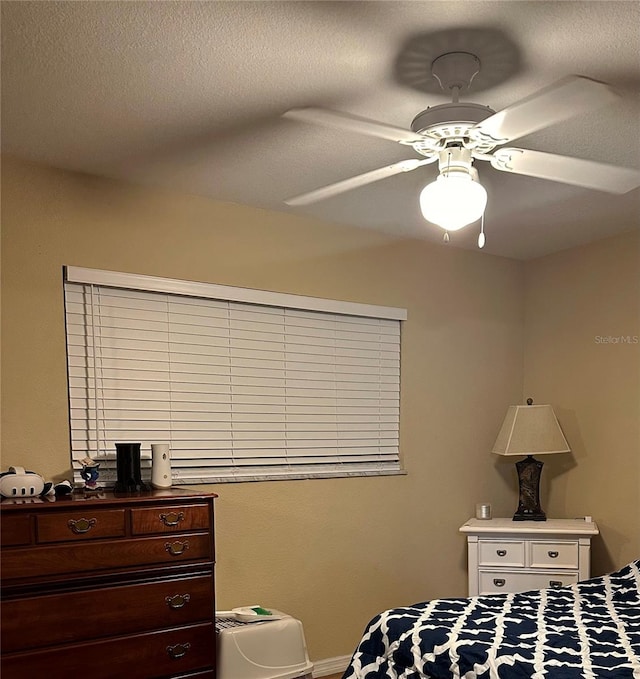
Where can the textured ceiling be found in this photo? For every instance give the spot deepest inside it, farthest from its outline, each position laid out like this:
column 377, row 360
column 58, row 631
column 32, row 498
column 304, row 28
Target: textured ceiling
column 189, row 95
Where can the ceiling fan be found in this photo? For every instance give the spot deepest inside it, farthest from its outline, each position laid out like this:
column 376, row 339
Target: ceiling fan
column 457, row 133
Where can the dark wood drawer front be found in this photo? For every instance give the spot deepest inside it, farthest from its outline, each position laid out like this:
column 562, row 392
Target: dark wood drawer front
column 141, row 656
column 102, row 555
column 15, row 531
column 80, row 525
column 169, row 519
column 33, row 622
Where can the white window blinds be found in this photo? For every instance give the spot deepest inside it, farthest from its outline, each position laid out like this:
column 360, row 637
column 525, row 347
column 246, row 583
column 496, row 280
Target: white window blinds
column 240, row 390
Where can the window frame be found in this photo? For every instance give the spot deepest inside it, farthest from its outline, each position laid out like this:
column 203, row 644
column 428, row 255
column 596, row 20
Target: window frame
column 240, row 298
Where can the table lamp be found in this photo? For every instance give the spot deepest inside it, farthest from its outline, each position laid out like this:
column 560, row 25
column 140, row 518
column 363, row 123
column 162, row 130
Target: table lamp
column 530, row 430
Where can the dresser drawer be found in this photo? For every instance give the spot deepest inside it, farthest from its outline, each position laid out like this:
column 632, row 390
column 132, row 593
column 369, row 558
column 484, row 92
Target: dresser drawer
column 15, row 531
column 141, row 656
column 80, row 525
column 169, row 519
column 108, row 611
column 500, row 582
column 100, row 555
column 501, row 553
column 554, row 554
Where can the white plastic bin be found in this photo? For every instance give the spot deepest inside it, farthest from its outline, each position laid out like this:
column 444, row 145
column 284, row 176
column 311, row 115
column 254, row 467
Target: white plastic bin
column 274, row 649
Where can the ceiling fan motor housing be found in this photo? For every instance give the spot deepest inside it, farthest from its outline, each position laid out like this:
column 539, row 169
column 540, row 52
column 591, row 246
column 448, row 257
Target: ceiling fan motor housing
column 439, row 125
column 457, row 117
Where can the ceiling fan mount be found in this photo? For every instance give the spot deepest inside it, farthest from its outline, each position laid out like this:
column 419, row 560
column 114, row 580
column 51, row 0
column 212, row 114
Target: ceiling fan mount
column 438, row 126
column 455, row 71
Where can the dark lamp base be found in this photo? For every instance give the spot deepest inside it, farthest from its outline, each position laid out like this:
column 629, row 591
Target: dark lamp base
column 529, row 517
column 529, row 509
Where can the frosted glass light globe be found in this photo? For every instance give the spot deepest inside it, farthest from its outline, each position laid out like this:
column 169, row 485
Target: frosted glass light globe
column 453, row 201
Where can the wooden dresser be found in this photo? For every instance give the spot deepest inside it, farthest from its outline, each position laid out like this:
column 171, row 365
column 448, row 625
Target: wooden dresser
column 108, row 585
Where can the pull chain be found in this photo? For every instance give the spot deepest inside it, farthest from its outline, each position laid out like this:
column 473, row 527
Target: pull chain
column 481, row 238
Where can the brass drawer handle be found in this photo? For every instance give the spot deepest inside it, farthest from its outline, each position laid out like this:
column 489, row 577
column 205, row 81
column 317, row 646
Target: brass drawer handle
column 553, row 555
column 554, row 584
column 79, row 526
column 178, row 600
column 178, row 650
column 172, row 519
column 501, row 552
column 499, row 582
column 176, row 548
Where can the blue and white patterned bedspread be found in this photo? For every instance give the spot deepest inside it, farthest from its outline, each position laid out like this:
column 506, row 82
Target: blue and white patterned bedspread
column 588, row 630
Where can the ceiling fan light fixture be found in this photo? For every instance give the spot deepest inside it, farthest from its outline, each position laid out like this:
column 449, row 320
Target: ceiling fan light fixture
column 454, row 200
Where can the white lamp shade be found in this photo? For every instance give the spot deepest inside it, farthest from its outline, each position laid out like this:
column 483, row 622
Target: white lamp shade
column 453, row 200
column 530, row 430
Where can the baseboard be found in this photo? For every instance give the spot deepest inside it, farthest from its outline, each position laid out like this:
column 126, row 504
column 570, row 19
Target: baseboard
column 323, row 668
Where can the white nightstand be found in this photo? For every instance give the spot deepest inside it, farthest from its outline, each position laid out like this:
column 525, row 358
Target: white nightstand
column 515, row 556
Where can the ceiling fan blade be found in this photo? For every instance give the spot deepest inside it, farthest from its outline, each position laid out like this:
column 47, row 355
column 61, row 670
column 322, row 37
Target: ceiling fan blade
column 559, row 101
column 347, row 121
column 567, row 170
column 359, row 180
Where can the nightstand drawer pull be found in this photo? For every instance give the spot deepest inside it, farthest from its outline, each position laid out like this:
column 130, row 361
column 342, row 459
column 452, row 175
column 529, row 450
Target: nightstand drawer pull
column 553, row 555
column 178, row 600
column 501, row 552
column 176, row 548
column 79, row 526
column 554, row 584
column 499, row 582
column 172, row 519
column 178, row 650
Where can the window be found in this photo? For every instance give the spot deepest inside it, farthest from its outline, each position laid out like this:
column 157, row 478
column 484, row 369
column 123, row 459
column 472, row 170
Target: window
column 242, row 384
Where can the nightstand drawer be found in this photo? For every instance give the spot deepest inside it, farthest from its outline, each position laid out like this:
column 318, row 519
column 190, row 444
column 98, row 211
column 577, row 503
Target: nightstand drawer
column 500, row 582
column 554, row 554
column 515, row 556
column 501, row 553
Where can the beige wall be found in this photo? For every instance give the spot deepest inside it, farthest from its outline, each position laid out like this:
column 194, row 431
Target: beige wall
column 579, row 303
column 331, row 552
column 335, row 552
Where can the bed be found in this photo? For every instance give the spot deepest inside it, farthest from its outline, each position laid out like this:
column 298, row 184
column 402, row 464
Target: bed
column 587, row 630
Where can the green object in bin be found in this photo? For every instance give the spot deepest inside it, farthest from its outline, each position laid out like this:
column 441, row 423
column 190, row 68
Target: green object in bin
column 261, row 611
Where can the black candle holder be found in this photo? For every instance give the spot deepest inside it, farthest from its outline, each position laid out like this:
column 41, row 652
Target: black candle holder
column 129, row 476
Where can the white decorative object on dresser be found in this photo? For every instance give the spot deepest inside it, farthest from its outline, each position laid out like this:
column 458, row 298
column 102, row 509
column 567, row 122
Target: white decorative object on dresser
column 508, row 556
